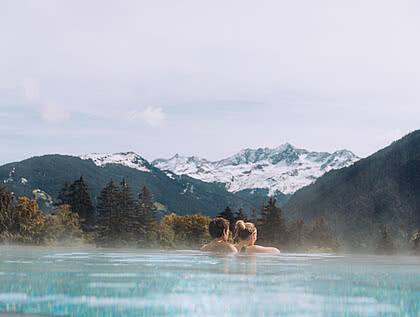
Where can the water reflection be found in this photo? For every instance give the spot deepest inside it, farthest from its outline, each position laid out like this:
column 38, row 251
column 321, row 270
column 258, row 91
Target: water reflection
column 140, row 282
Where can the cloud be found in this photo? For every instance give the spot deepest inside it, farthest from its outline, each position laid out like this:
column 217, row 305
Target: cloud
column 152, row 116
column 50, row 110
column 31, row 89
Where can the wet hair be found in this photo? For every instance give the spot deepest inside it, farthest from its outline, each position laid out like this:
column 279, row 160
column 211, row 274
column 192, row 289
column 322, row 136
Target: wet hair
column 243, row 230
column 217, row 226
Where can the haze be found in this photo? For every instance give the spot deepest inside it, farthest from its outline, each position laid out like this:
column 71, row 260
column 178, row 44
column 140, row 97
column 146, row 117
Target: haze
column 206, row 78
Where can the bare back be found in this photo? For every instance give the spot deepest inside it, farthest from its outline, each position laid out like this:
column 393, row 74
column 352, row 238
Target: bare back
column 218, row 247
column 261, row 249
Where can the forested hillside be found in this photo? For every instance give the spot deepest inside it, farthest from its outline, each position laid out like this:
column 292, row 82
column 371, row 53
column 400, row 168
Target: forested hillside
column 381, row 189
column 179, row 194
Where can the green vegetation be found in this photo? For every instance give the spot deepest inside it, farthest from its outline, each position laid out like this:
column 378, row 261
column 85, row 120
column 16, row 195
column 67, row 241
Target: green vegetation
column 119, row 220
column 416, row 242
column 122, row 220
column 21, row 222
column 274, row 230
column 380, row 189
column 48, row 173
column 385, row 244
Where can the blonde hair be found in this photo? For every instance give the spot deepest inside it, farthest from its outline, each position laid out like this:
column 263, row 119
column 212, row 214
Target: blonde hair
column 243, row 230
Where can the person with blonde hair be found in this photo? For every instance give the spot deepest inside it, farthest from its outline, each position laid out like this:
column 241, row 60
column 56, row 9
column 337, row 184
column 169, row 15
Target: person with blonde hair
column 219, row 233
column 246, row 232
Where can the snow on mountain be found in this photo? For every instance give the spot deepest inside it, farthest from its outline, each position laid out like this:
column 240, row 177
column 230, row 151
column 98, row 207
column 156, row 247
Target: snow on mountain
column 129, row 159
column 285, row 168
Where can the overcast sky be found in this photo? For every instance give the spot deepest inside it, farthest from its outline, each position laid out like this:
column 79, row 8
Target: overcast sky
column 206, row 78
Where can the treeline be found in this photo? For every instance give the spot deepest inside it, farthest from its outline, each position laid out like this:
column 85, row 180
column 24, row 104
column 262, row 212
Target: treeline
column 273, row 229
column 21, row 222
column 122, row 219
column 118, row 220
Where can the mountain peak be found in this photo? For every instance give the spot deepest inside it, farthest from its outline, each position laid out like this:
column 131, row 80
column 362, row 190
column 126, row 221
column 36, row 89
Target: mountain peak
column 129, row 159
column 284, row 169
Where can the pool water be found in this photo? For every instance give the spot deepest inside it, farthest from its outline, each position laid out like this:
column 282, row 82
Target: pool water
column 132, row 282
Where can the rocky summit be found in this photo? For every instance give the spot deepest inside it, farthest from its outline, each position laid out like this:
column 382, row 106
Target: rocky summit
column 283, row 169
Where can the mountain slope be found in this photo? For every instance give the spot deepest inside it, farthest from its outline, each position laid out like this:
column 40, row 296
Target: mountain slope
column 43, row 177
column 284, row 169
column 383, row 188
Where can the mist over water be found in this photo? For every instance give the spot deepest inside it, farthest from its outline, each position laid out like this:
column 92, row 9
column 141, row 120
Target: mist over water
column 133, row 282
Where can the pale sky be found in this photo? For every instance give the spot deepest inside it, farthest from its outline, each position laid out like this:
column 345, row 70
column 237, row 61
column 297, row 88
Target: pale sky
column 206, row 78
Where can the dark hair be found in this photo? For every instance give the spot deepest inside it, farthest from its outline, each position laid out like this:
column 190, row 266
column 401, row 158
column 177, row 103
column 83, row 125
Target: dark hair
column 217, row 226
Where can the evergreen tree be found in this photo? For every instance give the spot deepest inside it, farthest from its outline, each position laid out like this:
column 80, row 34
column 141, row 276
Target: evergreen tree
column 64, row 195
column 146, row 209
column 129, row 221
column 80, row 201
column 108, row 214
column 228, row 215
column 416, row 241
column 320, row 237
column 385, row 244
column 253, row 215
column 298, row 234
column 240, row 215
column 273, row 224
column 6, row 210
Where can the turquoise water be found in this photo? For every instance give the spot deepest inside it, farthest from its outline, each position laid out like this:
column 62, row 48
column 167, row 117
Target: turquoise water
column 104, row 282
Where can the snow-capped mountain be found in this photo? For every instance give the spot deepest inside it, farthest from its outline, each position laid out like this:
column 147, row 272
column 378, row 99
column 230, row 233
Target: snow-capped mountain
column 129, row 159
column 284, row 169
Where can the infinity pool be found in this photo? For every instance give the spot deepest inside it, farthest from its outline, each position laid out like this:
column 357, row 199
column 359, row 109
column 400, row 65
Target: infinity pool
column 104, row 282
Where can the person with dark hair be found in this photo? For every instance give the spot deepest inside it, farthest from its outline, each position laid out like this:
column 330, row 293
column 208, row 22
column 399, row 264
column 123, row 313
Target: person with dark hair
column 246, row 232
column 219, row 232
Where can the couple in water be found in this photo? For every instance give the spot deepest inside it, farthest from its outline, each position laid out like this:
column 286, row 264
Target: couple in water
column 245, row 232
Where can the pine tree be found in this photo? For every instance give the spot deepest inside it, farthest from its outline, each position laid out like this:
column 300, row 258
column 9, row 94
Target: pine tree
column 416, row 241
column 128, row 214
column 108, row 214
column 253, row 214
column 240, row 215
column 228, row 215
column 80, row 202
column 385, row 244
column 320, row 237
column 64, row 195
column 273, row 224
column 298, row 234
column 146, row 208
column 6, row 210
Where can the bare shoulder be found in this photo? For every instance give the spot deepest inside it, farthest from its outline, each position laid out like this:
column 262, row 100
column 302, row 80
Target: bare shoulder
column 237, row 247
column 261, row 249
column 223, row 247
column 231, row 248
column 205, row 248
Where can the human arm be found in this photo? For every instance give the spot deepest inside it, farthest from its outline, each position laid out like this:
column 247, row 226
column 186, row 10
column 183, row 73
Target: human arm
column 261, row 249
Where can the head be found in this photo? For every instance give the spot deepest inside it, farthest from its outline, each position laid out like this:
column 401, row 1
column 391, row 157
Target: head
column 246, row 232
column 219, row 228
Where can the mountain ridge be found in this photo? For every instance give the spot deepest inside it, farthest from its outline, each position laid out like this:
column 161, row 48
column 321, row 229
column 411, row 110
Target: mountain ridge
column 283, row 169
column 43, row 176
column 380, row 189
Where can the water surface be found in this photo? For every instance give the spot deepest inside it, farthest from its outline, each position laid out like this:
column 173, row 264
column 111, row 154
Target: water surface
column 106, row 282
